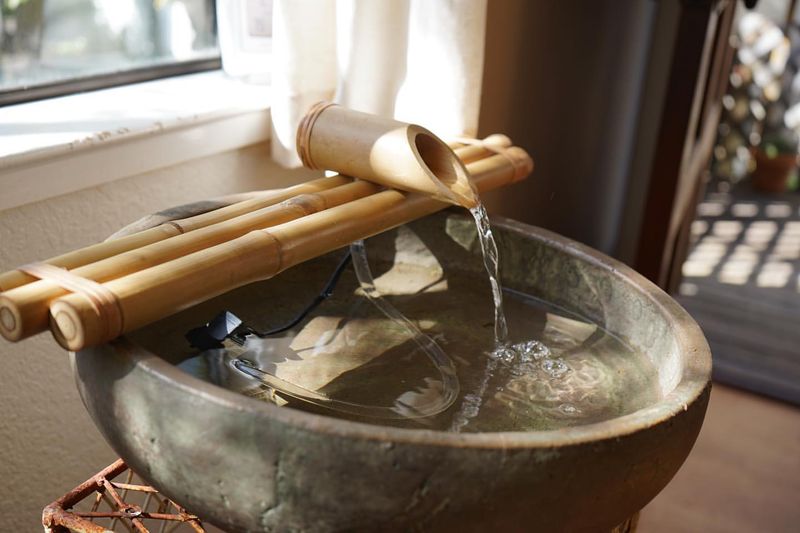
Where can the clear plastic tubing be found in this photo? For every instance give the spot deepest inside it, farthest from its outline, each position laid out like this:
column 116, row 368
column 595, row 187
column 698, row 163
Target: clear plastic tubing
column 440, row 360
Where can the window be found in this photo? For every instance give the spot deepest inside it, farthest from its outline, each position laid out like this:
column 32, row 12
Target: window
column 54, row 47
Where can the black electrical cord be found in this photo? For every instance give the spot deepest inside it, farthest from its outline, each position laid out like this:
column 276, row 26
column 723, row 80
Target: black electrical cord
column 326, row 293
column 226, row 325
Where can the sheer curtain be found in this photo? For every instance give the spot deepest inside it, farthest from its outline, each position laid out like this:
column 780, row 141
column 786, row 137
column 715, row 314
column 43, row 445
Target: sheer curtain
column 418, row 61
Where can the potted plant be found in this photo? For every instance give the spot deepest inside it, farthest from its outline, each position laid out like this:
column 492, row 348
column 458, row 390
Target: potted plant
column 776, row 160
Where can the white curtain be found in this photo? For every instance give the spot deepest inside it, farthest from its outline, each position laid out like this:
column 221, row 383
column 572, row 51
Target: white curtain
column 418, row 61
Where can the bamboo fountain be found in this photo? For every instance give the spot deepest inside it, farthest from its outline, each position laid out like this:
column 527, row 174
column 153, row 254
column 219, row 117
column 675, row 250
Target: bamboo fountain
column 245, row 464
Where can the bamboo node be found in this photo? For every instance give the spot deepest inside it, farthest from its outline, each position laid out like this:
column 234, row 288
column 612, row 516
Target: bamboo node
column 303, row 139
column 175, row 224
column 523, row 163
column 276, row 248
column 308, row 202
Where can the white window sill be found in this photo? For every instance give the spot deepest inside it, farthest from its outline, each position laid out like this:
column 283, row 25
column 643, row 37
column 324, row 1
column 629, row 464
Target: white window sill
column 53, row 147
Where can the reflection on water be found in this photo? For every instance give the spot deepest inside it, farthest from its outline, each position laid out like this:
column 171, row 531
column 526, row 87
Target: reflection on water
column 561, row 370
column 301, row 364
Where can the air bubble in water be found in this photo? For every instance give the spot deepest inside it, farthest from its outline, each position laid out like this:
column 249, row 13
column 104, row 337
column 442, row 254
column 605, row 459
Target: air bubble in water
column 470, row 407
column 568, row 409
column 506, row 354
column 555, row 368
column 532, row 350
column 472, row 404
column 523, row 369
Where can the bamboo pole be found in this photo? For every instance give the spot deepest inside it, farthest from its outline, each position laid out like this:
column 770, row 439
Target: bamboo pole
column 382, row 150
column 97, row 252
column 24, row 310
column 156, row 292
column 469, row 150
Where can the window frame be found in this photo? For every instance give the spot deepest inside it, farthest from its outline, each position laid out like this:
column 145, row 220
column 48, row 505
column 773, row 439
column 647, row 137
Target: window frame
column 108, row 80
column 206, row 61
column 117, row 148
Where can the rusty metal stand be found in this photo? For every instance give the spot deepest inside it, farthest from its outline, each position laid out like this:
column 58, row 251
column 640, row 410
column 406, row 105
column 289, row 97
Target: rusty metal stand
column 131, row 507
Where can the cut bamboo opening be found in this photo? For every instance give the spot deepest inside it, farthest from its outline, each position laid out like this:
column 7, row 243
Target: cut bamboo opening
column 24, row 311
column 159, row 291
column 395, row 154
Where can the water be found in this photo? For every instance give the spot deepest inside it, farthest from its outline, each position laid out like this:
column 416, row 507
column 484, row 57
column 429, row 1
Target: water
column 501, row 351
column 449, row 385
column 555, row 369
column 491, row 261
column 522, row 359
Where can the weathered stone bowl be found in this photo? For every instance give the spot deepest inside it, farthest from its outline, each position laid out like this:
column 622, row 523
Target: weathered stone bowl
column 246, row 465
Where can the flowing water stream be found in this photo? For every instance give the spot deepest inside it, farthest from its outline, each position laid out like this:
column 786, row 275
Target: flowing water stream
column 491, row 261
column 519, row 358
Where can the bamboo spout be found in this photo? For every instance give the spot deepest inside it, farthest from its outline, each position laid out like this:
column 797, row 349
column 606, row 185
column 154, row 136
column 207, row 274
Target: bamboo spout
column 156, row 292
column 391, row 153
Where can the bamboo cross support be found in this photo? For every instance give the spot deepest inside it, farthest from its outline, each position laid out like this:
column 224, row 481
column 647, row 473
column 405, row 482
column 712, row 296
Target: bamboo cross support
column 156, row 292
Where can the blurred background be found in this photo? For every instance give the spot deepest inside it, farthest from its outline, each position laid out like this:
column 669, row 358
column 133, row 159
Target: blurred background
column 50, row 41
column 671, row 143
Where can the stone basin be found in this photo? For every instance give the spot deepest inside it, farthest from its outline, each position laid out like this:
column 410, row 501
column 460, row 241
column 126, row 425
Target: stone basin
column 248, row 465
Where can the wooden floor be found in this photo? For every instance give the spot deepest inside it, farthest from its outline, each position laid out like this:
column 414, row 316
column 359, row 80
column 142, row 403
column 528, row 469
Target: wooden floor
column 742, row 285
column 743, row 475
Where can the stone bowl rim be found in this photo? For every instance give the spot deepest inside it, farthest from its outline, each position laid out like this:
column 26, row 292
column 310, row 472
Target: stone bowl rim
column 693, row 384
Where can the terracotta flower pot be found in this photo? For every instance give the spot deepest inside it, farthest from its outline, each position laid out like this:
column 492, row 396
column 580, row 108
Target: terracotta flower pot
column 772, row 173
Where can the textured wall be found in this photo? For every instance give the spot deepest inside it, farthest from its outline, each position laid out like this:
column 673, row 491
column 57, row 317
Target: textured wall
column 47, row 442
column 564, row 80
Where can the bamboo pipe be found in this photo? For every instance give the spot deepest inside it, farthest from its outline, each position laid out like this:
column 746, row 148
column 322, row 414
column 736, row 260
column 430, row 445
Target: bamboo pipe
column 96, row 252
column 25, row 310
column 395, row 154
column 90, row 254
column 159, row 291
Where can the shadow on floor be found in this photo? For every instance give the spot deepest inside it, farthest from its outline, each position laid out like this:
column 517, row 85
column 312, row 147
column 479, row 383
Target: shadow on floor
column 741, row 282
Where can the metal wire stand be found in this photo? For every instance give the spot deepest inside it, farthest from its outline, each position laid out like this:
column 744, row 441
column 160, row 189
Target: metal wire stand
column 100, row 505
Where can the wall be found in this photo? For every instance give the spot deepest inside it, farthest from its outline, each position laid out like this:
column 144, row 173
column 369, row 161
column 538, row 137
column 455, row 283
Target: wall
column 565, row 81
column 47, row 442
